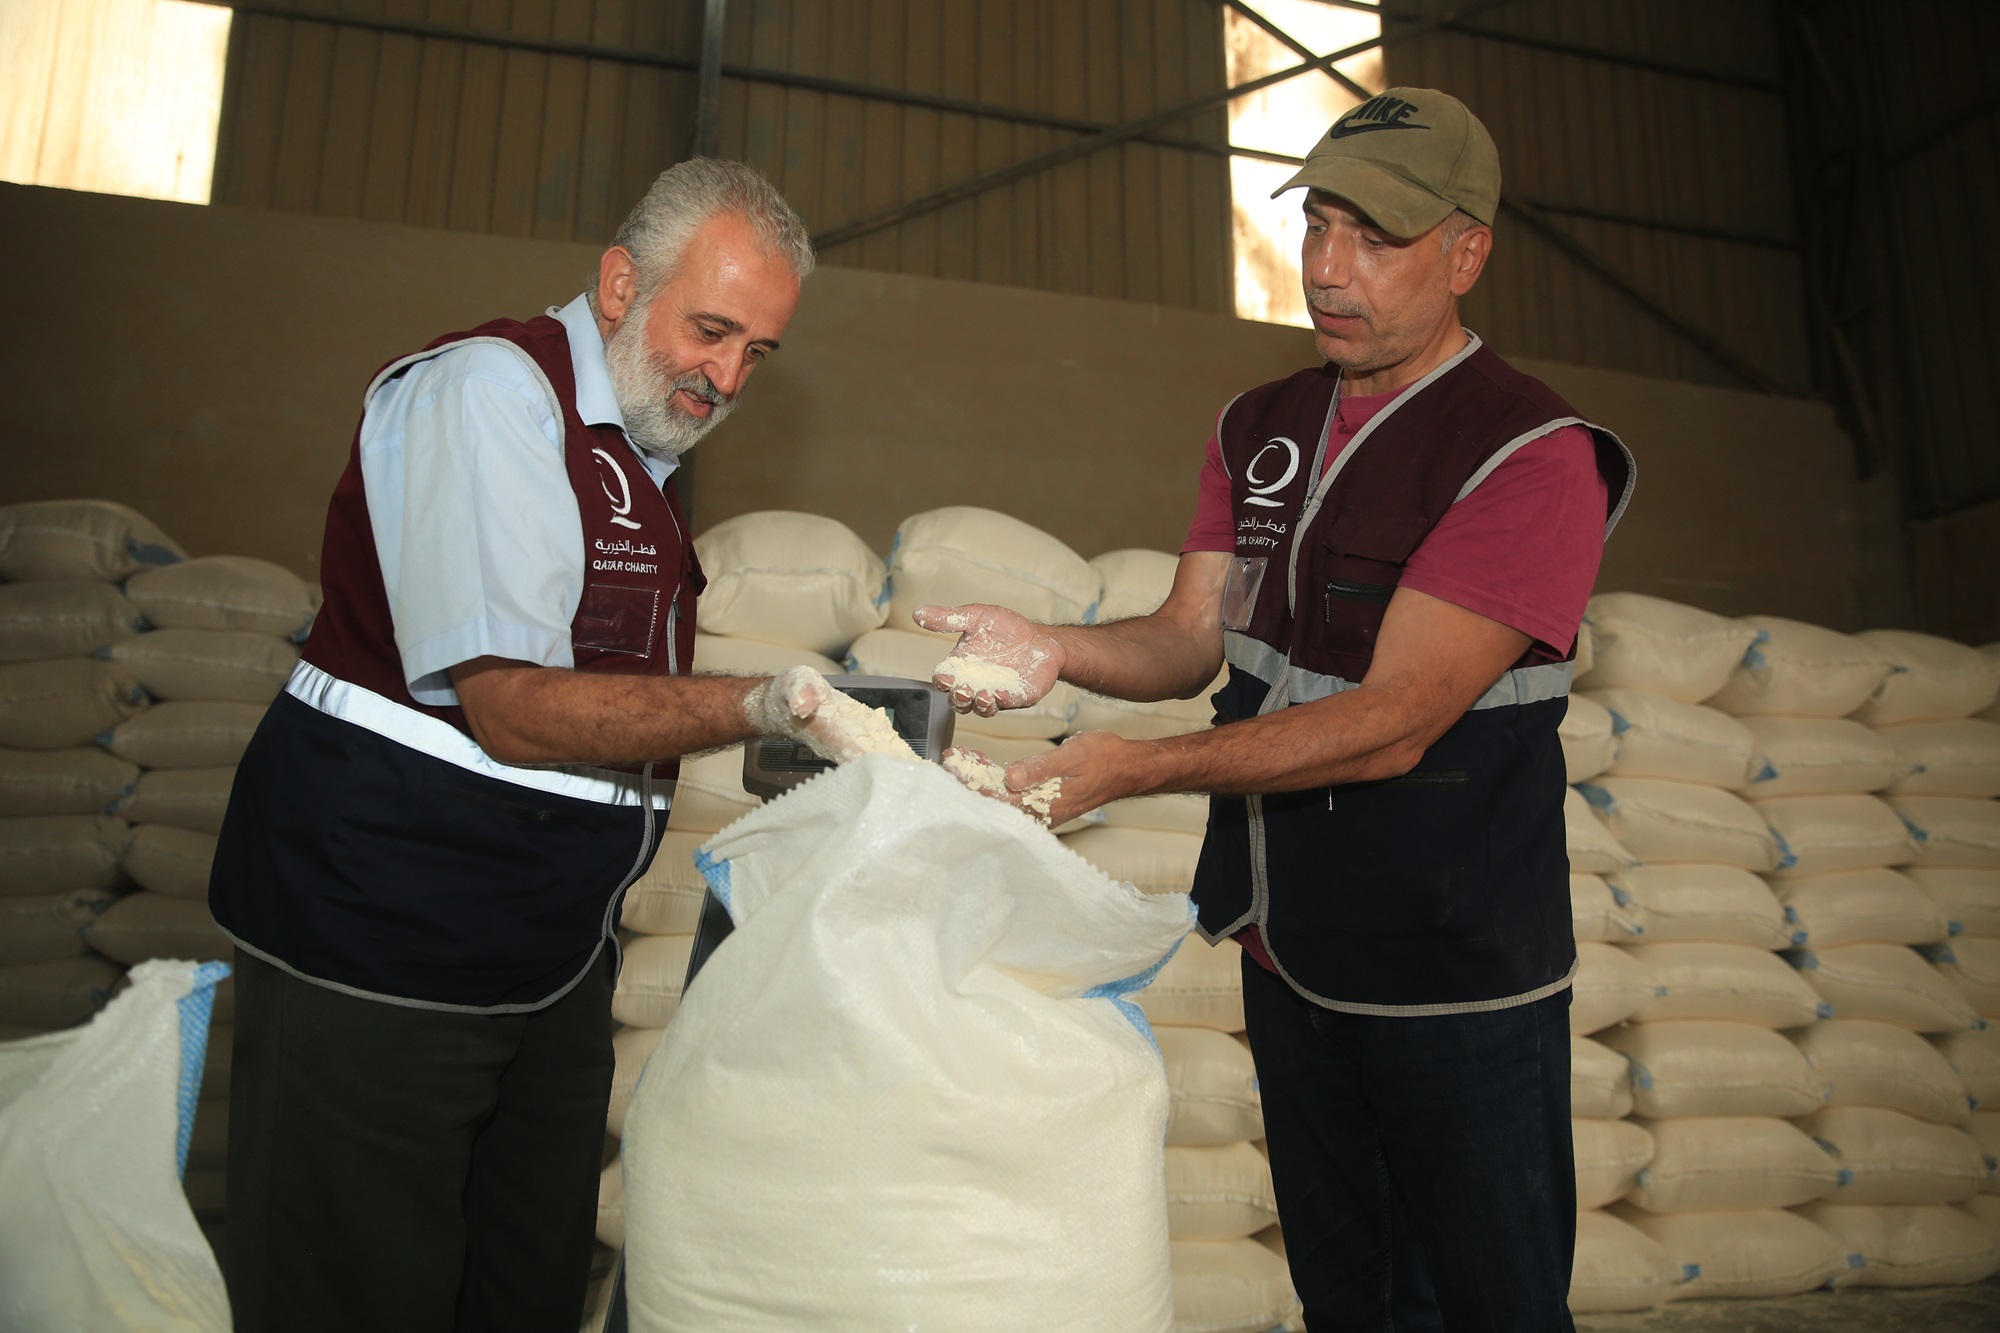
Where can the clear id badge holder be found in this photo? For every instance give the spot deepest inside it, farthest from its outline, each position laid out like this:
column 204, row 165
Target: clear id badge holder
column 1239, row 593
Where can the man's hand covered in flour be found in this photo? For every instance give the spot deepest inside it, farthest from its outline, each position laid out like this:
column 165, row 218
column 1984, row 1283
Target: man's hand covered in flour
column 1002, row 660
column 1084, row 772
column 801, row 705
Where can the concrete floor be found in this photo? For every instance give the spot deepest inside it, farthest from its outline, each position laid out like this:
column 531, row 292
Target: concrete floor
column 1973, row 1309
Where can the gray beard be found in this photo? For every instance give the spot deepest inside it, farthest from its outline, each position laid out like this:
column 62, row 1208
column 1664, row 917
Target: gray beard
column 653, row 421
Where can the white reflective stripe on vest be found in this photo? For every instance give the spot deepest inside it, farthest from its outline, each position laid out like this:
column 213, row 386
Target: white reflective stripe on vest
column 440, row 740
column 1523, row 685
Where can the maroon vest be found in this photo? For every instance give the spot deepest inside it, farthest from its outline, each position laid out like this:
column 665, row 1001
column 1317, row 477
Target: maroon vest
column 640, row 577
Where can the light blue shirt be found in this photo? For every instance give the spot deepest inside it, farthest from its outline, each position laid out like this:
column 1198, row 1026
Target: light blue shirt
column 476, row 526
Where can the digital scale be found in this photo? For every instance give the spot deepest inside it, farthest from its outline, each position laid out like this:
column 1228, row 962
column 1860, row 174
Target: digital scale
column 772, row 765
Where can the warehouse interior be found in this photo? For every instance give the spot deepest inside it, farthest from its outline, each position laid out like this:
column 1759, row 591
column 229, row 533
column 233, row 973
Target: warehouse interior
column 1745, row 235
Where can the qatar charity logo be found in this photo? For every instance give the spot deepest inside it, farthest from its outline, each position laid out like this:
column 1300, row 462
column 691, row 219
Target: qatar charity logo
column 621, row 499
column 1261, row 491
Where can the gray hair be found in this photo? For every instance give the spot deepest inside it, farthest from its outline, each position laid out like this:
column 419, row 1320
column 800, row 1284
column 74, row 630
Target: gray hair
column 1455, row 226
column 689, row 194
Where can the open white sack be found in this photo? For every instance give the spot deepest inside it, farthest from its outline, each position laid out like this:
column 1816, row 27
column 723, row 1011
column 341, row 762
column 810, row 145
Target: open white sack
column 95, row 1234
column 907, row 1091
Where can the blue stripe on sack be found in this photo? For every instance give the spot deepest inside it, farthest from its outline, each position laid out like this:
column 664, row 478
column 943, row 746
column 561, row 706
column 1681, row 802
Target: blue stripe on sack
column 1116, row 991
column 716, row 872
column 196, row 1007
column 1597, row 797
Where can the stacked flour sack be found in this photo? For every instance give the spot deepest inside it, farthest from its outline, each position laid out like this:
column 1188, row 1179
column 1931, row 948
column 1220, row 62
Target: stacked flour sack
column 785, row 589
column 134, row 679
column 1875, row 899
column 1712, row 1081
column 1219, row 1193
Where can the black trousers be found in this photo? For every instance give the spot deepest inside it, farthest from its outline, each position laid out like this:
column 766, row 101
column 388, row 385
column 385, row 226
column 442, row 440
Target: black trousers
column 406, row 1170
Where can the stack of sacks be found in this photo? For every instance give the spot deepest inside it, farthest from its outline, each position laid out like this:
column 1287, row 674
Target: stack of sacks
column 784, row 589
column 60, row 838
column 1699, row 1181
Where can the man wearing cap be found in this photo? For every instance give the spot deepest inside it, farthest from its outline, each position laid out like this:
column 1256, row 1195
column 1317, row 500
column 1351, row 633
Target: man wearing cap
column 1392, row 552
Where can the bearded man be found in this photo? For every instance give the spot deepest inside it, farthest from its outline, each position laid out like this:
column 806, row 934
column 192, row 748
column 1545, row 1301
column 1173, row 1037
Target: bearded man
column 431, row 833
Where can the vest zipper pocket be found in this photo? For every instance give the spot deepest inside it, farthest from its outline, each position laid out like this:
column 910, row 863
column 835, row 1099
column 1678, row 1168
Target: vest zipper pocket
column 1355, row 592
column 1440, row 777
column 529, row 813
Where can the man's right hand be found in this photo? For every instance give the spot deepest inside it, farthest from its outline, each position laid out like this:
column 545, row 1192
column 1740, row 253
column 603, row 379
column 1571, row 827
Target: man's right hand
column 1002, row 660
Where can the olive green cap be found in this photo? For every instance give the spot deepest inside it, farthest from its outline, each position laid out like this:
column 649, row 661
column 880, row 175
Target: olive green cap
column 1406, row 158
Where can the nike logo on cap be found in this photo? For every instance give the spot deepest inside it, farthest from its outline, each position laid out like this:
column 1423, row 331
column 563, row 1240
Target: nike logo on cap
column 1378, row 113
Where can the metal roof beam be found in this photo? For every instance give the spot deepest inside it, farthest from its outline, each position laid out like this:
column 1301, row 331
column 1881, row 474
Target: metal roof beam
column 1297, row 47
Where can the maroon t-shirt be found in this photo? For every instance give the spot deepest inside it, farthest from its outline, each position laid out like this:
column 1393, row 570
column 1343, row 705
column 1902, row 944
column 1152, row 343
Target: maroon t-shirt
column 1522, row 549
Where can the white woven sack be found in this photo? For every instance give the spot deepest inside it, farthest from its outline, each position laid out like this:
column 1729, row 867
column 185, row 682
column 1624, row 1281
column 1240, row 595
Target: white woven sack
column 1984, row 1209
column 1212, row 1086
column 630, row 1049
column 1947, row 758
column 1801, row 670
column 1592, row 848
column 915, row 656
column 1600, row 1082
column 1154, row 860
column 1660, row 737
column 666, row 900
column 1589, row 740
column 1808, row 756
column 1656, row 820
column 1229, row 1286
column 1888, row 983
column 1974, row 1055
column 1890, row 1157
column 1917, row 1245
column 920, row 1007
column 1866, row 1063
column 80, row 539
column 751, row 657
column 1649, row 643
column 1617, row 1267
column 1718, row 1162
column 46, row 996
column 1200, row 987
column 1752, row 1252
column 1725, row 981
column 1952, row 830
column 1701, row 902
column 1971, row 963
column 1985, row 1130
column 63, row 618
column 50, row 853
column 225, row 592
column 183, row 735
column 801, row 580
column 1136, row 582
column 649, row 981
column 1932, row 679
column 1820, row 834
column 65, row 703
column 1969, row 898
column 1175, row 812
column 1711, row 1068
column 95, row 1232
column 1220, row 1192
column 47, row 927
column 709, row 794
column 1610, row 986
column 1595, row 912
column 81, row 781
column 216, row 665
column 1146, row 721
column 1858, row 907
column 960, row 554
column 172, row 861
column 1609, row 1156
column 140, row 926
column 185, row 798
column 1585, row 652
column 611, row 1205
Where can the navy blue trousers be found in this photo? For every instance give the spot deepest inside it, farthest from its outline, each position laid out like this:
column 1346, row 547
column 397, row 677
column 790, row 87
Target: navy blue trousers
column 1423, row 1165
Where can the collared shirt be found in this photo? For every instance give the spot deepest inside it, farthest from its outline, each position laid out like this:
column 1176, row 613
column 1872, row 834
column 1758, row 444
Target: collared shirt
column 476, row 527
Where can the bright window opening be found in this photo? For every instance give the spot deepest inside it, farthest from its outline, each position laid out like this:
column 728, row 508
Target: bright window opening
column 118, row 96
column 1284, row 118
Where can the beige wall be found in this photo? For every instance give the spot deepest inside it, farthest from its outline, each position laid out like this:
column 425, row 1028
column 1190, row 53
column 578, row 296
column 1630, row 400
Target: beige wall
column 205, row 366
